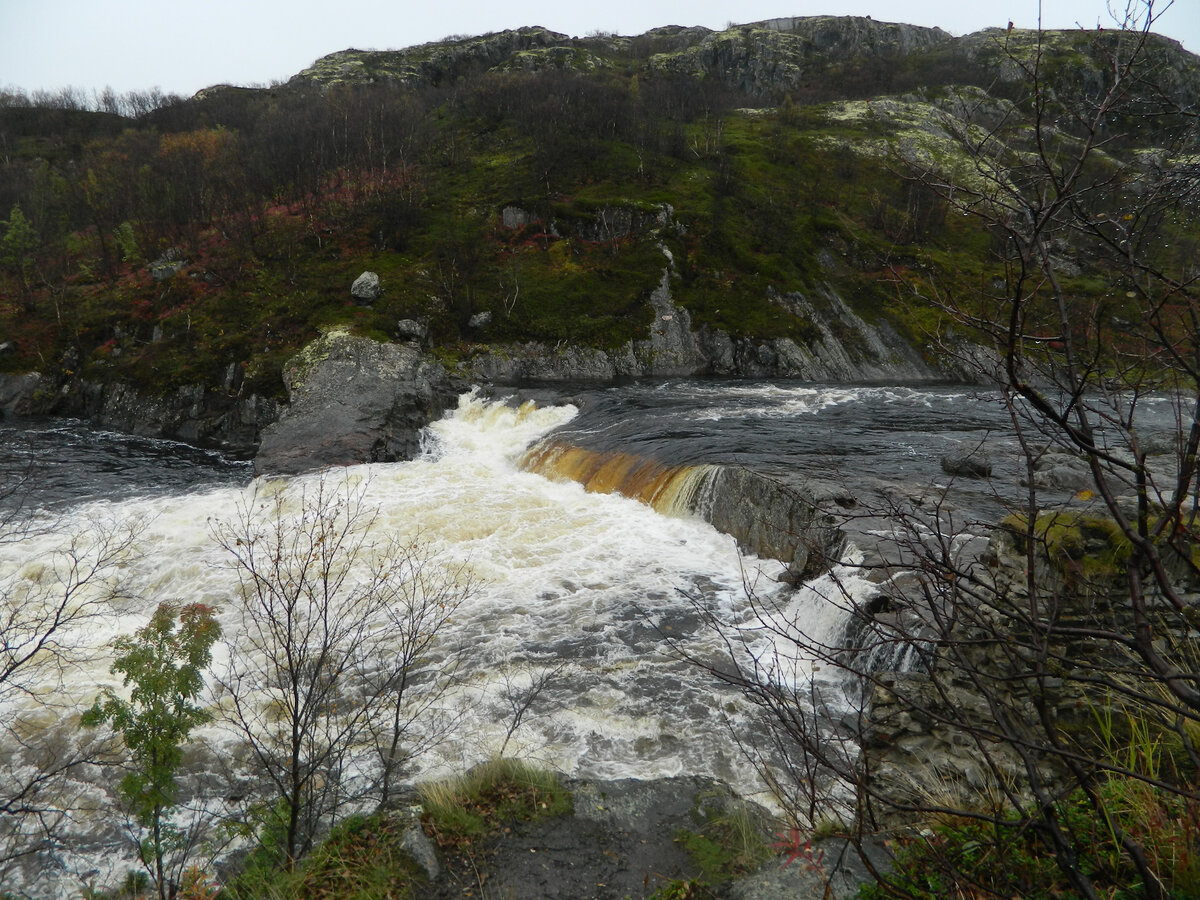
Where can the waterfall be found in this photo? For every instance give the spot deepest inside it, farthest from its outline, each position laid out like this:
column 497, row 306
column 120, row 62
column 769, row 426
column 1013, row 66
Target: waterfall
column 670, row 490
column 588, row 585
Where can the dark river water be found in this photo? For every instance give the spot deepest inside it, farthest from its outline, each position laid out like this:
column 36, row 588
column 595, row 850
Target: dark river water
column 888, row 433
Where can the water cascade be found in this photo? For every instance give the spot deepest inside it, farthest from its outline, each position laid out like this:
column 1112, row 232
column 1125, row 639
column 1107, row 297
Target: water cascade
column 670, row 490
column 595, row 587
column 766, row 516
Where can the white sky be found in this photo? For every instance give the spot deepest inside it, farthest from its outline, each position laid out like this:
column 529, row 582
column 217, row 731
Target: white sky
column 180, row 46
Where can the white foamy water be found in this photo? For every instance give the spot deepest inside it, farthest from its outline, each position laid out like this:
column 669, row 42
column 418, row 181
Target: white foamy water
column 590, row 586
column 761, row 399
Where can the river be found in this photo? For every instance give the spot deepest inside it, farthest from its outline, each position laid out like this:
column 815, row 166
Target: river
column 594, row 589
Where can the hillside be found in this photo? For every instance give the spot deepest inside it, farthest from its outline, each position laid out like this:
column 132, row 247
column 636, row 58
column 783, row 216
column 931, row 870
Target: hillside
column 785, row 184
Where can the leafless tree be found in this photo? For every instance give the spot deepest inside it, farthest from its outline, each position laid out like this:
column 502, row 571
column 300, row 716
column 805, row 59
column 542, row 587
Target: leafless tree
column 47, row 601
column 336, row 657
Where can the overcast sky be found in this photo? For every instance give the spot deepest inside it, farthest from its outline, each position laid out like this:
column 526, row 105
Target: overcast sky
column 182, row 46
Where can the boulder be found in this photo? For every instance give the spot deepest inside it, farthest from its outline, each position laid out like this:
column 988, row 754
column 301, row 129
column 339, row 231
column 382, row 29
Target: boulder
column 167, row 265
column 480, row 319
column 353, row 400
column 968, row 462
column 17, row 393
column 412, row 330
column 366, row 288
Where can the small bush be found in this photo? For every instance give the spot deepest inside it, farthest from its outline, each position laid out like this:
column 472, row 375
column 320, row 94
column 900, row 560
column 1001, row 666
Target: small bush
column 362, row 859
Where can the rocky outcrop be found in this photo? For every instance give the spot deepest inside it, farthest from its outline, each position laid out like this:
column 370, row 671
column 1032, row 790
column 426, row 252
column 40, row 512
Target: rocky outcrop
column 783, row 53
column 624, row 837
column 772, row 519
column 845, row 348
column 205, row 417
column 969, row 718
column 353, row 400
column 18, row 393
column 433, row 63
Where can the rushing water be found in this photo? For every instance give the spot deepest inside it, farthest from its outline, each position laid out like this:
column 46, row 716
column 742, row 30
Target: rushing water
column 595, row 588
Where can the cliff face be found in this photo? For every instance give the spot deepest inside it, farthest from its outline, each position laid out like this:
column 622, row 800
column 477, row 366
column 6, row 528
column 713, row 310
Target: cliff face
column 782, row 54
column 844, row 348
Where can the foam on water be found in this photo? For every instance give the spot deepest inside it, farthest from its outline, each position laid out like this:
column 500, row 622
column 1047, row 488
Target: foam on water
column 590, row 585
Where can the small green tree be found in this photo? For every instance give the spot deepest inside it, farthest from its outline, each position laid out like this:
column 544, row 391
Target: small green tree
column 17, row 245
column 166, row 667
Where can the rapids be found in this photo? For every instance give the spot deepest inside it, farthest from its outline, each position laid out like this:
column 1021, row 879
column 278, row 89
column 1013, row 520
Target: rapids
column 590, row 586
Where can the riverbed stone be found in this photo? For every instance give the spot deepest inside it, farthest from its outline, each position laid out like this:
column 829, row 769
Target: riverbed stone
column 17, row 393
column 967, row 462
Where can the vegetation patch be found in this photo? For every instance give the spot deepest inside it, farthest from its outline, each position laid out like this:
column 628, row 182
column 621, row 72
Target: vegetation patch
column 1082, row 546
column 362, row 859
column 729, row 841
column 491, row 798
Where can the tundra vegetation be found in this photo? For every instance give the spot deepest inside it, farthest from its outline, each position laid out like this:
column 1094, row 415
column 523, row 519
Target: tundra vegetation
column 203, row 241
column 1030, row 194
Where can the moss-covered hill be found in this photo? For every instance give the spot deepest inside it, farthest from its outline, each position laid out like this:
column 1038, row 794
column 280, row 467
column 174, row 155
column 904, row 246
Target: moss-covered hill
column 548, row 181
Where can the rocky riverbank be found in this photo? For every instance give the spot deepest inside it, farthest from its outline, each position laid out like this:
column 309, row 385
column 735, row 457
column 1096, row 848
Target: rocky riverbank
column 627, row 838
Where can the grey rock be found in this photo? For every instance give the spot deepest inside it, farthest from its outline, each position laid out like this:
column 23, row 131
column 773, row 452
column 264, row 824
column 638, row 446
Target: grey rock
column 7, row 347
column 844, row 348
column 718, row 348
column 515, row 217
column 1163, row 443
column 412, row 330
column 969, row 462
column 366, row 288
column 194, row 414
column 1061, row 471
column 17, row 393
column 353, row 400
column 672, row 348
column 617, row 843
column 167, row 265
column 770, row 518
column 417, row 844
column 480, row 319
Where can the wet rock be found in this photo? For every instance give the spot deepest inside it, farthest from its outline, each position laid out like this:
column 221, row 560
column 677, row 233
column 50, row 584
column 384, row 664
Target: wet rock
column 17, row 393
column 353, row 400
column 968, row 462
column 773, row 519
column 1061, row 471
